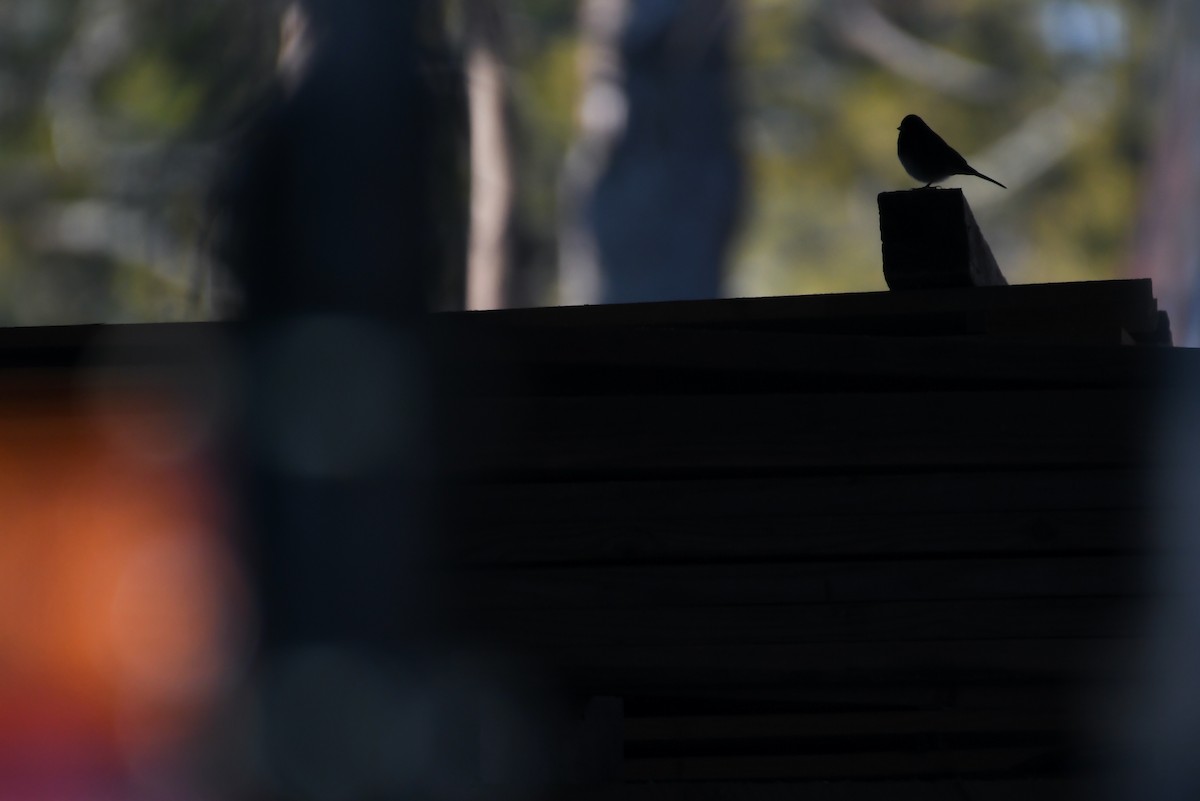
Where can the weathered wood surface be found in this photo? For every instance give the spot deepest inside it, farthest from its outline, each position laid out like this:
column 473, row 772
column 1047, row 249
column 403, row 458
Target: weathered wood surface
column 639, row 585
column 872, row 537
column 640, row 669
column 692, row 538
column 674, row 360
column 815, row 494
column 842, row 724
column 891, row 759
column 764, row 698
column 839, row 790
column 892, row 620
column 828, row 431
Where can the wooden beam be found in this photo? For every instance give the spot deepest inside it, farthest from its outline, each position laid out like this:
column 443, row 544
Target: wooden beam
column 794, row 534
column 931, row 241
column 1038, row 789
column 804, row 517
column 707, row 585
column 1129, row 304
column 827, row 493
column 849, row 724
column 911, row 762
column 629, row 669
column 734, row 626
column 631, row 435
column 920, row 693
column 652, row 359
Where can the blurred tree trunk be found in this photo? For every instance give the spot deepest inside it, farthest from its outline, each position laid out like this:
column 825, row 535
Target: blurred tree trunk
column 1167, row 242
column 652, row 186
column 331, row 234
column 490, row 249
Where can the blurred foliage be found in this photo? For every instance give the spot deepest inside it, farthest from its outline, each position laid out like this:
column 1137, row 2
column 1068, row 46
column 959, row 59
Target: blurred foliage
column 1065, row 91
column 112, row 114
column 821, row 114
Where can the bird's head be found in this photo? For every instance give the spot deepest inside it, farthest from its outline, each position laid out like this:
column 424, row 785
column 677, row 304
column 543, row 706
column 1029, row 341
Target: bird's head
column 911, row 123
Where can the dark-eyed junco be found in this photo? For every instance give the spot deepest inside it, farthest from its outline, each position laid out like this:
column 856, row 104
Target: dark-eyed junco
column 927, row 157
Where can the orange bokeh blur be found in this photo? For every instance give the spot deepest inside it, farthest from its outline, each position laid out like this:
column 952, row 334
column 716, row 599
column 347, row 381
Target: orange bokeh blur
column 119, row 600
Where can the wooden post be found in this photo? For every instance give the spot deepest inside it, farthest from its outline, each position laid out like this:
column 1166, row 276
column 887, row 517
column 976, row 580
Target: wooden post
column 931, row 240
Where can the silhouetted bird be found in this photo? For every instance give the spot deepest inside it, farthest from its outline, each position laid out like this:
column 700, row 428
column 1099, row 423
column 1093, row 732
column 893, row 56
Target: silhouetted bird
column 927, row 157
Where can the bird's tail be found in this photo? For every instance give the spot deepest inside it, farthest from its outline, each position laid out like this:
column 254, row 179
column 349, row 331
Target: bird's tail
column 978, row 174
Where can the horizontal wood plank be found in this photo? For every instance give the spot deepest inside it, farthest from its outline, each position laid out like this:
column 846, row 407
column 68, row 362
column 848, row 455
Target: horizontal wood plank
column 896, row 621
column 703, row 585
column 850, row 724
column 605, row 361
column 609, row 669
column 919, row 692
column 1015, row 760
column 1129, row 302
column 1040, row 789
column 795, row 534
column 626, row 436
column 831, row 492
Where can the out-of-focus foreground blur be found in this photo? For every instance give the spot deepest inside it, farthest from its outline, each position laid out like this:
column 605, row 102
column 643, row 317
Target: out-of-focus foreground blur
column 124, row 613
